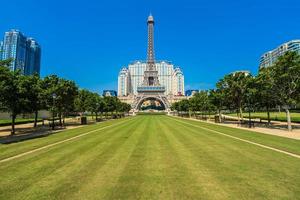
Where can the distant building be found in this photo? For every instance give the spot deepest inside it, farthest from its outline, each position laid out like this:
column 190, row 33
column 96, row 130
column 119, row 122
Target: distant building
column 123, row 82
column 110, row 93
column 270, row 57
column 25, row 52
column 191, row 92
column 246, row 72
column 130, row 78
column 1, row 49
column 150, row 80
column 33, row 57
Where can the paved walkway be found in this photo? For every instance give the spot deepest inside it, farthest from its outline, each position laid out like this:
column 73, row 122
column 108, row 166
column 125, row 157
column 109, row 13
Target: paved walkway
column 295, row 134
column 27, row 131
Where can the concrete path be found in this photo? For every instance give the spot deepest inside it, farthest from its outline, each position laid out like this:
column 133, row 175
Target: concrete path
column 295, row 134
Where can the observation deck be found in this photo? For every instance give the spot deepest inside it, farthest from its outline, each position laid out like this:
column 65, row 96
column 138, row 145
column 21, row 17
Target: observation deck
column 151, row 89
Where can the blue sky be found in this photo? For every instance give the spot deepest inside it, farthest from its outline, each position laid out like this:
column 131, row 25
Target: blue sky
column 89, row 41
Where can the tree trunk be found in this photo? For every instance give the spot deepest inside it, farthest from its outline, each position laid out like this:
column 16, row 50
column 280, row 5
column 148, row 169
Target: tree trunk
column 96, row 116
column 269, row 118
column 241, row 114
column 53, row 115
column 238, row 116
column 288, row 116
column 35, row 118
column 190, row 113
column 13, row 120
column 220, row 116
column 60, row 119
column 249, row 118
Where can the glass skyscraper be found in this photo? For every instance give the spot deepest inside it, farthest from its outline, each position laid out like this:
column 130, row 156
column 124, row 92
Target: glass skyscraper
column 25, row 52
column 33, row 58
column 1, row 49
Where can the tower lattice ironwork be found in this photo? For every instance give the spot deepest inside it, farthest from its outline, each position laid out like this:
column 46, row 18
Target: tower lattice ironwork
column 150, row 74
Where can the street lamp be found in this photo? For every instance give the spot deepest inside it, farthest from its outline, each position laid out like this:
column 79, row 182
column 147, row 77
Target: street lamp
column 53, row 105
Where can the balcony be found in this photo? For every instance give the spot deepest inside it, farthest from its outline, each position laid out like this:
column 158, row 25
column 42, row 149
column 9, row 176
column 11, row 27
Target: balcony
column 142, row 89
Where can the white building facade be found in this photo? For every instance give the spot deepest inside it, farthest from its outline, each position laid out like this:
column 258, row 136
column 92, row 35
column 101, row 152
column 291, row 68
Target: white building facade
column 170, row 77
column 270, row 57
column 123, row 82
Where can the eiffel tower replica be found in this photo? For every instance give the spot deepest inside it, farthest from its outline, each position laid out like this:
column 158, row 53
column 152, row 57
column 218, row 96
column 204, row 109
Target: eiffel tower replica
column 150, row 84
column 150, row 88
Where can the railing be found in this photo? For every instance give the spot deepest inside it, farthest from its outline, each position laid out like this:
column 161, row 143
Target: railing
column 151, row 89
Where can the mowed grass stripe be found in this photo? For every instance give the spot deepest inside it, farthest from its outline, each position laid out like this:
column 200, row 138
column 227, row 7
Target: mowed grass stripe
column 143, row 176
column 153, row 170
column 196, row 185
column 183, row 178
column 86, row 166
column 9, row 150
column 286, row 146
column 152, row 157
column 230, row 161
column 104, row 180
column 56, row 143
column 45, row 169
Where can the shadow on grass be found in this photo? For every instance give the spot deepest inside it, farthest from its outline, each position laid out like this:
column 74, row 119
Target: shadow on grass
column 29, row 132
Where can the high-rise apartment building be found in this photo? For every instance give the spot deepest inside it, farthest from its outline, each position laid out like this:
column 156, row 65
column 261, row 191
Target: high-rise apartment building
column 123, row 82
column 270, row 57
column 25, row 52
column 1, row 49
column 33, row 57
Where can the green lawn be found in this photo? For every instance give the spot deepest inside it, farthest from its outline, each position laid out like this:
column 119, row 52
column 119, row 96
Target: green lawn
column 151, row 157
column 275, row 116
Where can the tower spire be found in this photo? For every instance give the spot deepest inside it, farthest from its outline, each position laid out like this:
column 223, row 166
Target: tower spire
column 150, row 50
column 151, row 83
column 150, row 74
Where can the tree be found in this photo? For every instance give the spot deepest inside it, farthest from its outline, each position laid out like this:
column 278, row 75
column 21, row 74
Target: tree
column 234, row 87
column 6, row 63
column 184, row 106
column 286, row 73
column 34, row 97
column 59, row 95
column 110, row 104
column 126, row 107
column 12, row 94
column 49, row 86
column 175, row 107
column 251, row 96
column 265, row 90
column 217, row 99
column 66, row 95
column 93, row 102
column 101, row 106
column 81, row 101
column 200, row 102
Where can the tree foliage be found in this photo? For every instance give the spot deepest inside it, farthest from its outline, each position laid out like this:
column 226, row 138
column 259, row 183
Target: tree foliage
column 21, row 94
